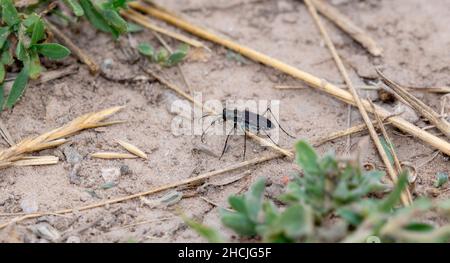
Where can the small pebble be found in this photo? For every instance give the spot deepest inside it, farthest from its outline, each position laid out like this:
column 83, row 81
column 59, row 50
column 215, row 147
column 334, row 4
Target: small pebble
column 107, row 64
column 110, row 174
column 72, row 155
column 125, row 170
column 46, row 231
column 29, row 205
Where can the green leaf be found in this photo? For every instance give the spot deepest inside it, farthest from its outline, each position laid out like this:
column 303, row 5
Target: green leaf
column 108, row 185
column 75, row 7
column 207, row 232
column 52, row 50
column 94, row 16
column 387, row 149
column 18, row 87
column 350, row 216
column 146, row 49
column 34, row 65
column 2, row 73
column 6, row 57
column 4, row 33
column 9, row 13
column 162, row 55
column 441, row 179
column 237, row 203
column 307, row 158
column 419, row 227
column 29, row 22
column 38, row 32
column 2, row 96
column 394, row 197
column 134, row 28
column 21, row 52
column 175, row 58
column 296, row 221
column 114, row 20
column 253, row 199
column 238, row 222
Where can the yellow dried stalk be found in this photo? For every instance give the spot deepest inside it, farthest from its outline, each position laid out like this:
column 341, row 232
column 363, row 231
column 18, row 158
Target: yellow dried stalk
column 113, row 155
column 55, row 137
column 36, row 160
column 132, row 149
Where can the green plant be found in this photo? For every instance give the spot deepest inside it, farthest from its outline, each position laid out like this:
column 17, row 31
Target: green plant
column 162, row 56
column 23, row 38
column 332, row 202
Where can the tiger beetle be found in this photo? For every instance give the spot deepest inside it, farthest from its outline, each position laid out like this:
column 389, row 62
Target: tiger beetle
column 247, row 121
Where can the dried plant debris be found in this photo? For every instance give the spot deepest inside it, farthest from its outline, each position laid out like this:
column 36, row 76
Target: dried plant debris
column 113, row 155
column 55, row 137
column 169, row 199
column 132, row 149
column 425, row 110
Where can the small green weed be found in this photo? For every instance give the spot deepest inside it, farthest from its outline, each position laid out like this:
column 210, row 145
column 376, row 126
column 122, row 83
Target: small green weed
column 162, row 56
column 24, row 39
column 331, row 202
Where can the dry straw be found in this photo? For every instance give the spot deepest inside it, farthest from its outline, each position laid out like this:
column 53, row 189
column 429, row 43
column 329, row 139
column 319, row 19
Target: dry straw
column 132, row 149
column 54, row 138
column 113, row 155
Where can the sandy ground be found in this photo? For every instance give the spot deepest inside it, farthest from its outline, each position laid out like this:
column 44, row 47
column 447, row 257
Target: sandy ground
column 414, row 34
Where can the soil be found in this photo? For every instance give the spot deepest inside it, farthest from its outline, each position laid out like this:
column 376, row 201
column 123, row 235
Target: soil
column 415, row 37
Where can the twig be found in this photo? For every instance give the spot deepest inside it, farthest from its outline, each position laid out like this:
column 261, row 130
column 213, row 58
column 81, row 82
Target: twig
column 342, row 133
column 215, row 204
column 5, row 134
column 144, row 21
column 199, row 104
column 344, row 23
column 428, row 160
column 197, row 179
column 144, row 222
column 397, row 163
column 418, row 105
column 82, row 56
column 57, row 74
column 359, row 104
column 443, row 89
column 309, row 79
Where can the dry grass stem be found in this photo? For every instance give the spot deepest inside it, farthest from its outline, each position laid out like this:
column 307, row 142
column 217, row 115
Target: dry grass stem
column 188, row 181
column 373, row 134
column 397, row 163
column 342, row 133
column 78, row 52
column 55, row 137
column 418, row 105
column 145, row 22
column 443, row 89
column 5, row 134
column 113, row 155
column 132, row 149
column 309, row 79
column 344, row 23
column 36, row 160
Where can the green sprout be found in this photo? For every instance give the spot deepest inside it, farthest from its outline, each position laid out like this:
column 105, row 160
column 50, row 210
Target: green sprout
column 162, row 56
